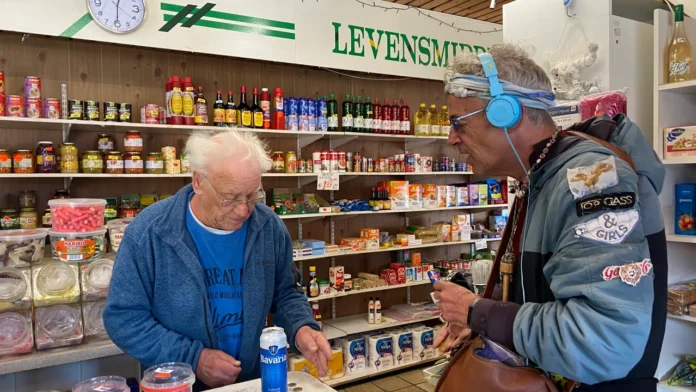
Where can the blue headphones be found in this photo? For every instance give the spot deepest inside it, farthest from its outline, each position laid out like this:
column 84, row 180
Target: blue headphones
column 503, row 111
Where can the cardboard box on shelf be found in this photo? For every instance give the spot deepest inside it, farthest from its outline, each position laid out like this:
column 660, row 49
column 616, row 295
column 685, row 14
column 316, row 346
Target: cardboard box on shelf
column 369, row 234
column 400, row 272
column 685, row 209
column 466, row 233
column 354, row 243
column 398, row 194
column 291, row 201
column 451, row 196
column 680, row 142
column 456, row 233
column 462, row 196
column 473, row 194
column 462, row 220
column 390, row 276
column 429, row 196
column 441, row 196
column 483, row 194
column 415, row 195
column 444, row 231
column 416, row 259
column 336, row 278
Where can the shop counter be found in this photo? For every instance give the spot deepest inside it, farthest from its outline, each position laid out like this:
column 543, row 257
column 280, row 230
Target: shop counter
column 296, row 380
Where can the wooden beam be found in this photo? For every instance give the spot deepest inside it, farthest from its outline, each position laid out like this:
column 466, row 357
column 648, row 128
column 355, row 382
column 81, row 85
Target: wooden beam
column 429, row 5
column 448, row 5
column 475, row 8
column 491, row 16
column 466, row 5
column 404, row 1
column 487, row 11
column 497, row 19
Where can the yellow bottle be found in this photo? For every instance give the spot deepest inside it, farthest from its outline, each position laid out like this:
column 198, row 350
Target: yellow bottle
column 444, row 121
column 434, row 121
column 421, row 121
column 679, row 63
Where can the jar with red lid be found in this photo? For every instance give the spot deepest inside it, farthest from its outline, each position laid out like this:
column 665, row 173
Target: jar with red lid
column 129, row 212
column 23, row 162
column 133, row 163
column 45, row 158
column 133, row 142
column 5, row 162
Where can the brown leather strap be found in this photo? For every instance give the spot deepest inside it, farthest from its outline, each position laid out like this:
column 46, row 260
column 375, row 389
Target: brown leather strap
column 495, row 270
column 619, row 152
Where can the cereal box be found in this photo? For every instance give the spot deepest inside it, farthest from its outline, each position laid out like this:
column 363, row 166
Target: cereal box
column 336, row 278
column 456, row 233
column 441, row 196
column 483, row 194
column 415, row 195
column 680, row 142
column 685, row 209
column 473, row 194
column 451, row 196
column 461, row 220
column 463, row 196
column 429, row 196
column 409, row 274
column 398, row 194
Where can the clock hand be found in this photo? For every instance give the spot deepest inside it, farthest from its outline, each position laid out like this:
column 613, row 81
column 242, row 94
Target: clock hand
column 124, row 11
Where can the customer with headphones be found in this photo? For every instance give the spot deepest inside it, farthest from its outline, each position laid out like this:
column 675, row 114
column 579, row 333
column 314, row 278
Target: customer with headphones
column 581, row 284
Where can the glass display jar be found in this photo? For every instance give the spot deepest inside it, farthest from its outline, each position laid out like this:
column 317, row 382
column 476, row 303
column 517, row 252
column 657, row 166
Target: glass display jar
column 45, row 158
column 58, row 326
column 9, row 219
column 155, row 163
column 69, row 161
column 133, row 163
column 133, row 142
column 5, row 162
column 23, row 162
column 15, row 289
column 55, row 283
column 16, row 333
column 92, row 162
column 28, row 218
column 95, row 278
column 105, row 143
column 61, row 194
column 113, row 162
column 93, row 316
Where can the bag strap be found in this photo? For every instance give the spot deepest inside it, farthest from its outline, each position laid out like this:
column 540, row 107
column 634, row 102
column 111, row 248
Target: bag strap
column 619, row 152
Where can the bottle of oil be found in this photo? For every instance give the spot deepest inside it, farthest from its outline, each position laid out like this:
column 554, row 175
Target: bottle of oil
column 444, row 121
column 421, row 121
column 201, row 114
column 679, row 50
column 434, row 121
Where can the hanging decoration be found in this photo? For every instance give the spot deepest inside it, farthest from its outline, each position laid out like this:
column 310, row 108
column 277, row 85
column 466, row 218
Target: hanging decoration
column 565, row 76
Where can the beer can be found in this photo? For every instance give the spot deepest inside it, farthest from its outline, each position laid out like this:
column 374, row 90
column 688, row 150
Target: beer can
column 357, row 162
column 349, row 161
column 293, row 118
column 274, row 368
column 310, row 166
column 341, row 162
column 460, row 167
column 333, row 157
column 325, row 162
column 312, row 115
column 303, row 111
column 370, row 167
column 409, row 163
column 419, row 163
column 316, row 161
column 444, row 163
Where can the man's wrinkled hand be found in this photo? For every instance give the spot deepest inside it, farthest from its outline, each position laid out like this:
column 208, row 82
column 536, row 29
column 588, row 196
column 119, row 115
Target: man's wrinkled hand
column 454, row 302
column 216, row 368
column 450, row 336
column 314, row 346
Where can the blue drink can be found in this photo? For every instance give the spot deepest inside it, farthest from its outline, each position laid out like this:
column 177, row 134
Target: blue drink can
column 303, row 111
column 322, row 122
column 274, row 368
column 312, row 114
column 292, row 114
column 434, row 276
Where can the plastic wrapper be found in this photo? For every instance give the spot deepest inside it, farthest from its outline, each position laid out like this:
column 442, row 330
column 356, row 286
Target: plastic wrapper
column 680, row 296
column 20, row 248
column 55, row 283
column 684, row 373
column 496, row 352
column 93, row 316
column 103, row 384
column 610, row 103
column 78, row 247
column 95, row 278
column 167, row 377
column 58, row 326
column 15, row 289
column 116, row 229
column 16, row 334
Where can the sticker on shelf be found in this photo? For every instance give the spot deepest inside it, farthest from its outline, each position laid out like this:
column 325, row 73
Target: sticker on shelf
column 481, row 244
column 327, row 182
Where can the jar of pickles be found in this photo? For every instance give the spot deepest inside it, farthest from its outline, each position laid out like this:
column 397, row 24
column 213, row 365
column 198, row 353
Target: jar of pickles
column 277, row 162
column 9, row 219
column 23, row 162
column 133, row 163
column 45, row 158
column 5, row 162
column 133, row 142
column 92, row 162
column 68, row 158
column 28, row 218
column 113, row 162
column 155, row 163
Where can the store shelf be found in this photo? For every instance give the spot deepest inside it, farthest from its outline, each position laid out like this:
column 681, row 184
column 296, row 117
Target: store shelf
column 358, row 323
column 688, row 239
column 40, row 359
column 307, row 216
column 688, row 87
column 332, row 333
column 355, row 213
column 370, row 290
column 100, row 175
column 450, row 173
column 368, row 373
column 679, row 161
column 682, row 318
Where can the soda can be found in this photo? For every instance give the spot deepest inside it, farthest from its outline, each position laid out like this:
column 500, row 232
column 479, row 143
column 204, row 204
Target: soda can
column 312, row 115
column 370, row 165
column 349, row 161
column 303, row 111
column 333, row 158
column 274, row 368
column 341, row 162
column 460, row 167
column 442, row 166
column 357, row 162
column 310, row 166
column 419, row 163
column 325, row 162
column 316, row 161
column 409, row 163
column 292, row 117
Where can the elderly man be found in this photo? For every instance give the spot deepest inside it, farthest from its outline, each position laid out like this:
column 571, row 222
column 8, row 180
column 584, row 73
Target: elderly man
column 587, row 293
column 196, row 274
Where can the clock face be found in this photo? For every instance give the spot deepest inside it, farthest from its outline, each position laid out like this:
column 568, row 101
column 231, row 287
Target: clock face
column 118, row 16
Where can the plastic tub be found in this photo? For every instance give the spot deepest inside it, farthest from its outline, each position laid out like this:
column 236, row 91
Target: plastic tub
column 116, row 229
column 77, row 247
column 168, row 377
column 15, row 289
column 58, row 326
column 16, row 335
column 77, row 215
column 20, row 248
column 96, row 278
column 101, row 384
column 55, row 283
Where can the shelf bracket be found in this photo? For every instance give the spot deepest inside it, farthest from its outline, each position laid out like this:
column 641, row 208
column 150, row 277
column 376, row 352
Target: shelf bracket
column 309, row 138
column 415, row 143
column 66, row 132
column 339, row 140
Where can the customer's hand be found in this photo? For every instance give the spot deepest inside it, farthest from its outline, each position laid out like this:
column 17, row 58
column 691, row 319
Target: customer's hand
column 450, row 336
column 217, row 369
column 454, row 302
column 314, row 346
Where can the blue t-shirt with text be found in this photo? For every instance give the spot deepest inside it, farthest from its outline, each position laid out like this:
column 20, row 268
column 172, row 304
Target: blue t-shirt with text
column 222, row 259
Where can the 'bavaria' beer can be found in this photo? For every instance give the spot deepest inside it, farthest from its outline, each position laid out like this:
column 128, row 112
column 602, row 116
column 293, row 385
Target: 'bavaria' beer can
column 303, row 109
column 312, row 115
column 274, row 369
column 293, row 118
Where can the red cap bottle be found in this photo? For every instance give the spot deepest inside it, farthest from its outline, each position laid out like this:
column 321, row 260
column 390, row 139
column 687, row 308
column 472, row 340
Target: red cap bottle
column 278, row 121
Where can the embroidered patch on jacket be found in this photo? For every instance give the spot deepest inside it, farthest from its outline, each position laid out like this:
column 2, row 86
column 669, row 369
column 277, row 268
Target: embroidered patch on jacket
column 610, row 201
column 586, row 180
column 629, row 273
column 610, row 227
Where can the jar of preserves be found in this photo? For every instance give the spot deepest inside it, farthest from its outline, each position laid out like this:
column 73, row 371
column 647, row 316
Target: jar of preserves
column 133, row 163
column 45, row 158
column 155, row 163
column 68, row 158
column 291, row 162
column 9, row 219
column 5, row 162
column 105, row 143
column 114, row 162
column 61, row 194
column 277, row 162
column 127, row 212
column 46, row 219
column 23, row 162
column 133, row 142
column 92, row 162
column 28, row 218
column 27, row 199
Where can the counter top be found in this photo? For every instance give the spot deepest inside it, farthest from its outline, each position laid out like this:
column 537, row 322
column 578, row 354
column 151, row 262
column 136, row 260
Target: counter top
column 302, row 380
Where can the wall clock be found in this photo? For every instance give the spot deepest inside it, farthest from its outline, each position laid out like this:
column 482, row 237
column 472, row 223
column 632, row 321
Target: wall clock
column 117, row 16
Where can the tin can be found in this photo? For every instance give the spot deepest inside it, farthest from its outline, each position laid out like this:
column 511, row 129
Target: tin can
column 310, row 166
column 33, row 108
column 452, row 166
column 370, row 165
column 316, row 161
column 51, row 108
column 2, row 83
column 274, row 368
column 110, row 111
column 32, row 87
column 312, row 115
column 292, row 117
column 444, row 164
column 169, row 153
column 92, row 110
column 124, row 112
column 2, row 105
column 333, row 166
column 364, row 165
column 291, row 162
column 302, row 166
column 341, row 162
column 427, row 164
column 303, row 110
column 277, row 162
column 325, row 162
column 185, row 167
column 76, row 110
column 14, row 106
column 349, row 161
column 357, row 162
column 151, row 114
column 409, row 163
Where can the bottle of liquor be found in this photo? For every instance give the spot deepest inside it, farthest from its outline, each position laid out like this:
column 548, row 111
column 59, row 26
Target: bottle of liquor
column 422, row 121
column 359, row 117
column 332, row 113
column 347, row 122
column 395, row 118
column 378, row 116
column 405, row 114
column 679, row 50
column 368, row 114
column 243, row 110
column 230, row 111
column 256, row 111
column 201, row 117
column 386, row 117
column 444, row 121
column 380, row 199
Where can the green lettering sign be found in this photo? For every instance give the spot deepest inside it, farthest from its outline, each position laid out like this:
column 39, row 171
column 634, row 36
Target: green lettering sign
column 439, row 55
column 407, row 48
column 392, row 53
column 356, row 35
column 336, row 27
column 424, row 49
column 374, row 45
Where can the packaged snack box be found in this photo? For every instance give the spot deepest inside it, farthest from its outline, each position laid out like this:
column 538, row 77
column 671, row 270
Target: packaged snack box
column 336, row 278
column 456, row 233
column 461, row 220
column 451, row 196
column 685, row 209
column 369, row 234
column 474, row 194
column 429, row 196
column 398, row 194
column 415, row 195
column 483, row 194
column 680, row 142
column 441, row 196
column 462, row 196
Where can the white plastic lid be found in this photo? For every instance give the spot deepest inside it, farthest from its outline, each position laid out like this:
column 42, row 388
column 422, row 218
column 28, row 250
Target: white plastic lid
column 12, row 284
column 102, row 384
column 59, row 322
column 76, row 203
column 13, row 329
column 99, row 272
column 73, row 235
column 56, row 278
column 112, row 224
column 347, row 276
column 166, row 376
column 22, row 234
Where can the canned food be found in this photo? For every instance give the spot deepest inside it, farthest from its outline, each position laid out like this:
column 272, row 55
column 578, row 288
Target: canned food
column 333, row 161
column 172, row 166
column 133, row 163
column 33, row 108
column 92, row 162
column 151, row 114
column 27, row 199
column 168, row 153
column 341, row 162
column 110, row 111
column 452, row 164
column 460, row 167
column 76, row 110
column 51, row 108
column 316, row 161
column 2, row 83
column 14, row 106
column 325, row 162
column 2, row 105
column 114, row 162
column 5, row 162
column 32, row 87
column 277, row 162
column 133, row 142
column 382, row 165
column 291, row 162
column 349, row 161
column 92, row 110
column 185, row 168
column 28, row 218
column 68, row 158
column 302, row 166
column 23, row 162
column 390, row 165
column 310, row 166
column 409, row 163
column 124, row 112
column 46, row 218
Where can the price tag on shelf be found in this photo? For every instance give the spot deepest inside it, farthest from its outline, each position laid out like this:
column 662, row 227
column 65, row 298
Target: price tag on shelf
column 481, row 244
column 327, row 182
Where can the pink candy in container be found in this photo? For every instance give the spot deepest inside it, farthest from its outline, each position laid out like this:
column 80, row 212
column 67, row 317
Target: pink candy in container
column 103, row 384
column 168, row 377
column 77, row 215
column 16, row 336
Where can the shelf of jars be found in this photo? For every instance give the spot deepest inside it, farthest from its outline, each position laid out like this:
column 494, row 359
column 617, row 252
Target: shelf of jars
column 185, row 175
column 370, row 290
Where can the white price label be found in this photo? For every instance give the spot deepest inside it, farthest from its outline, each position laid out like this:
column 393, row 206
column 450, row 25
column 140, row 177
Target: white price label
column 481, row 244
column 327, row 182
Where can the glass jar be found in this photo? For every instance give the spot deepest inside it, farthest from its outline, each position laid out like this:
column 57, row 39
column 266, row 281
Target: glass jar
column 55, row 283
column 133, row 142
column 92, row 162
column 114, row 162
column 277, row 162
column 105, row 143
column 155, row 163
column 27, row 199
column 9, row 219
column 68, row 158
column 15, row 289
column 5, row 162
column 45, row 158
column 23, row 162
column 46, row 219
column 111, row 209
column 28, row 218
column 16, row 333
column 61, row 194
column 185, row 167
column 133, row 163
column 291, row 162
column 95, row 279
column 58, row 326
column 347, row 282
